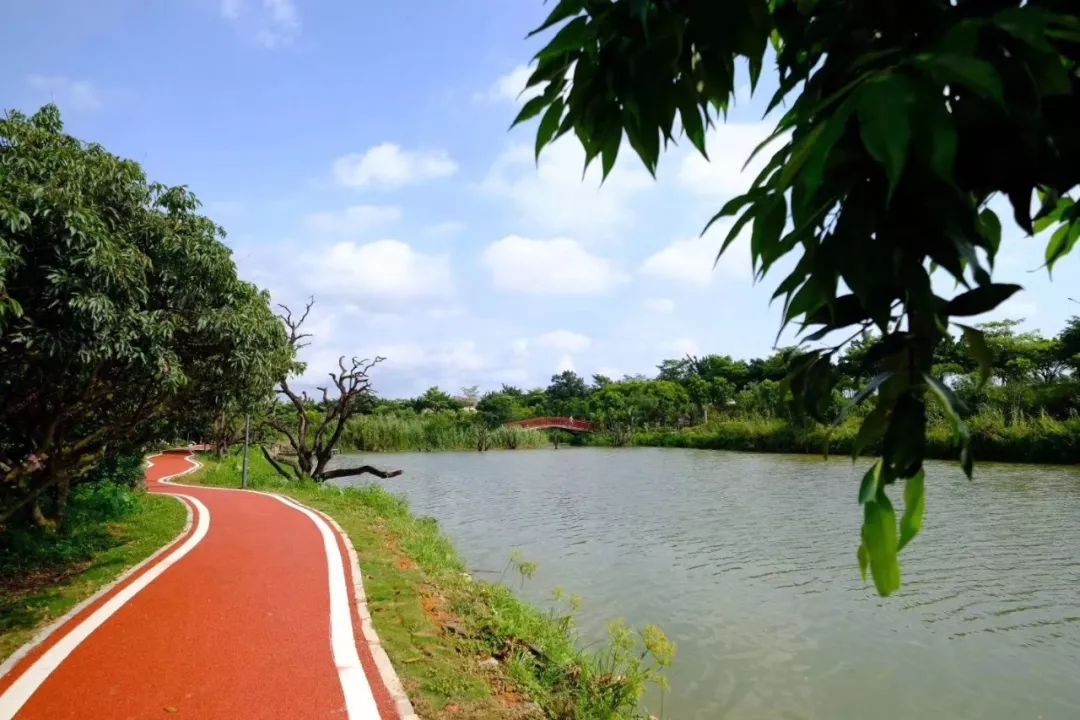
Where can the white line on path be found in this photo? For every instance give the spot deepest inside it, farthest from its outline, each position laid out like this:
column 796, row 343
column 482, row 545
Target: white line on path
column 28, row 683
column 359, row 700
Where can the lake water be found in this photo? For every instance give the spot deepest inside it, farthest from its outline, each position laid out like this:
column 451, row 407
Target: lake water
column 748, row 562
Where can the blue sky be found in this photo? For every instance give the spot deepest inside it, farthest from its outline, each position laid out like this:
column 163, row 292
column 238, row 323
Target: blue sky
column 359, row 152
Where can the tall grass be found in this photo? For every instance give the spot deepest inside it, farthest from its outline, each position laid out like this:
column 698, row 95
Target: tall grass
column 433, row 431
column 1040, row 438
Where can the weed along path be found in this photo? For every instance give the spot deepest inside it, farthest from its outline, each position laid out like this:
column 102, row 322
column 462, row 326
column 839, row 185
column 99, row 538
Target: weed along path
column 253, row 612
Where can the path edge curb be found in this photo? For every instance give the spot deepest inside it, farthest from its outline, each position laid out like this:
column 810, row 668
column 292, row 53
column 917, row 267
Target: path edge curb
column 402, row 705
column 46, row 632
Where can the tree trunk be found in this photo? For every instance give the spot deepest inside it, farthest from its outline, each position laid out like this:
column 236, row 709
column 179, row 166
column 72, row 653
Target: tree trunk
column 63, row 492
column 37, row 516
column 363, row 469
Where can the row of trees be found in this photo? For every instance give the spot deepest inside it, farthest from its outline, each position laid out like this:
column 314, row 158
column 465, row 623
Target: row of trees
column 1031, row 374
column 122, row 319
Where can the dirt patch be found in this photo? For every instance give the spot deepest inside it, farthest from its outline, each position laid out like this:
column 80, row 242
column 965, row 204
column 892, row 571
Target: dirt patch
column 39, row 579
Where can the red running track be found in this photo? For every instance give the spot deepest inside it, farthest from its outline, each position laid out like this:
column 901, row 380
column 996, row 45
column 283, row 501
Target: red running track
column 250, row 614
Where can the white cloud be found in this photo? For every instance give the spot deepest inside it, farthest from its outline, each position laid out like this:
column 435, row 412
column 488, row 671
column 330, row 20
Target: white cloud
column 610, row 372
column 386, row 270
column 511, row 87
column 389, row 165
column 565, row 363
column 662, row 306
column 457, row 356
column 67, row 93
column 272, row 23
column 353, row 220
column 691, row 260
column 560, row 340
column 729, row 146
column 553, row 198
column 560, row 266
column 681, row 347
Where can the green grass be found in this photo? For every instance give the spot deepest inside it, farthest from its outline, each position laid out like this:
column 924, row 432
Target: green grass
column 44, row 575
column 1039, row 439
column 434, row 431
column 439, row 626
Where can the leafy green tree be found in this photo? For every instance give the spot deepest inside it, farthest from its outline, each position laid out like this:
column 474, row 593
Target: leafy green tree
column 879, row 173
column 121, row 314
column 565, row 393
column 600, row 381
column 1069, row 345
column 1022, row 357
column 436, row 400
column 499, row 408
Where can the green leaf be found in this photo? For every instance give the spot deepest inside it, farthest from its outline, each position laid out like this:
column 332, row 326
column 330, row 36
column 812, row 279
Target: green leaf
column 692, row 124
column 956, row 69
column 871, row 481
column 1061, row 243
column 914, row 508
column 979, row 351
column 814, row 170
column 990, row 229
column 768, row 225
column 884, row 123
column 749, row 214
column 548, row 125
column 982, row 299
column 951, row 404
column 880, row 538
column 872, row 429
column 609, row 151
column 864, row 560
column 571, row 37
column 943, row 140
column 871, row 386
column 1027, row 24
column 531, row 110
column 565, row 9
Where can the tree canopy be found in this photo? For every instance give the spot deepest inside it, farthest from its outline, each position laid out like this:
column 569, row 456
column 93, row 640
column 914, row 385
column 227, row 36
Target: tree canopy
column 120, row 313
column 879, row 174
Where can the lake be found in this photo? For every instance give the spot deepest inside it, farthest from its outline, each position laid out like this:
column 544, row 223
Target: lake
column 748, row 563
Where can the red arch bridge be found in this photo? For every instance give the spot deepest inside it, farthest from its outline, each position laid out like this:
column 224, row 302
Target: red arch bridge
column 561, row 423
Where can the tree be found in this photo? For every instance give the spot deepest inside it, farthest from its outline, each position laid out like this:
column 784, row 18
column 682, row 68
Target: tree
column 436, row 400
column 879, row 173
column 565, row 392
column 313, row 429
column 1069, row 345
column 471, row 395
column 121, row 314
column 497, row 408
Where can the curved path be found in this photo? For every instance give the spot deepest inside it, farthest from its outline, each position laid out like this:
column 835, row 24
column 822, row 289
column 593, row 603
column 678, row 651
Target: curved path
column 250, row 613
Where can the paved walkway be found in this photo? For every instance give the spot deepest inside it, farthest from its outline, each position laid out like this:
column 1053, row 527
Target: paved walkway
column 249, row 614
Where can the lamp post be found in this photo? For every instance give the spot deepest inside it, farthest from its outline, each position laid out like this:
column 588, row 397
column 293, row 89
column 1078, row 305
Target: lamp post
column 247, row 441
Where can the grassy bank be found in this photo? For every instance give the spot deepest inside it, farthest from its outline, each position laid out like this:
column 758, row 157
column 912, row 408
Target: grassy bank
column 434, row 431
column 1035, row 440
column 465, row 648
column 43, row 575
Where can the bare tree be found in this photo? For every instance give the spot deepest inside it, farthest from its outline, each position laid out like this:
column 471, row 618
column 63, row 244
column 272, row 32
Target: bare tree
column 316, row 427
